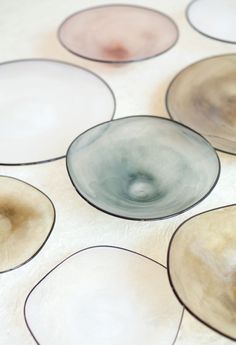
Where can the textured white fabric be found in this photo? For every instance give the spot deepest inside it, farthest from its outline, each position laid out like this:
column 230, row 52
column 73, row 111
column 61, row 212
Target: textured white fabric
column 28, row 29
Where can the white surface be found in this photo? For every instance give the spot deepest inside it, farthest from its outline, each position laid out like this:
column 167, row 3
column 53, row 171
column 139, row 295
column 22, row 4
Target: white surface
column 215, row 18
column 28, row 29
column 43, row 107
column 104, row 296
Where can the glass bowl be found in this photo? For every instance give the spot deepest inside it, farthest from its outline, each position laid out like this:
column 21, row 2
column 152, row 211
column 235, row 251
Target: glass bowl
column 44, row 104
column 142, row 167
column 203, row 96
column 104, row 295
column 118, row 33
column 214, row 18
column 27, row 217
column 202, row 266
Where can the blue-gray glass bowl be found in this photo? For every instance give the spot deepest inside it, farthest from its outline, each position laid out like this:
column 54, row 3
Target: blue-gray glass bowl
column 142, row 167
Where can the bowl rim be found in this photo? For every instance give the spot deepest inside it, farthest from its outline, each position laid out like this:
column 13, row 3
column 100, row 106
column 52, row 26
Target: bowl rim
column 158, row 118
column 50, row 228
column 116, row 5
column 187, row 15
column 65, row 63
column 178, row 74
column 170, row 277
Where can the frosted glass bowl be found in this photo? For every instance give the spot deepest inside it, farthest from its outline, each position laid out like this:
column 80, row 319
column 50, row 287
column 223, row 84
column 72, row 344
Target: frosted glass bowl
column 142, row 167
column 27, row 218
column 208, row 100
column 201, row 268
column 44, row 104
column 118, row 33
column 214, row 18
column 104, row 295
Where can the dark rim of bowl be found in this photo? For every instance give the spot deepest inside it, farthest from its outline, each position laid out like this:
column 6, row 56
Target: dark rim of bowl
column 198, row 30
column 103, row 246
column 115, row 61
column 145, row 219
column 50, row 229
column 169, row 274
column 66, row 64
column 179, row 74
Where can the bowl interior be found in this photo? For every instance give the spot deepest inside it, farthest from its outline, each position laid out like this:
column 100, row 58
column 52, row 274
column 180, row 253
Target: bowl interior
column 142, row 167
column 202, row 253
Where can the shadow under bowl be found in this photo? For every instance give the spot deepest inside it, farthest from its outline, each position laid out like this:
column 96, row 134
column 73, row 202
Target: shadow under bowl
column 202, row 266
column 142, row 167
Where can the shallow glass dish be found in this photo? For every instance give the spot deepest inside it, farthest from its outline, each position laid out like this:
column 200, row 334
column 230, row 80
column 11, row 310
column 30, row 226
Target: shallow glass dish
column 44, row 104
column 202, row 266
column 104, row 295
column 27, row 217
column 118, row 33
column 142, row 167
column 214, row 18
column 203, row 96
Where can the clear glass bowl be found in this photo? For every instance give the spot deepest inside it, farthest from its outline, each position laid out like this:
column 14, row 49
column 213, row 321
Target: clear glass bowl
column 104, row 295
column 214, row 18
column 44, row 104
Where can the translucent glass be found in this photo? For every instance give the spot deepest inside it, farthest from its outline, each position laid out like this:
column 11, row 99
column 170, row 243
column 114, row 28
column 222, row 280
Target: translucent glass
column 202, row 266
column 142, row 167
column 104, row 296
column 27, row 217
column 214, row 18
column 203, row 96
column 44, row 104
column 118, row 33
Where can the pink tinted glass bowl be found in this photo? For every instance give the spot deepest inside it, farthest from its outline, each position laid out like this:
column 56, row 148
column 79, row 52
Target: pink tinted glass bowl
column 118, row 33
